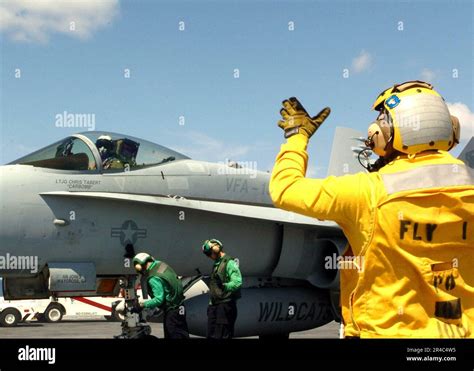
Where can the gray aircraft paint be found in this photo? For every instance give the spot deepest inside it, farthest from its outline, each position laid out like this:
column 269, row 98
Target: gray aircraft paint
column 345, row 148
column 467, row 154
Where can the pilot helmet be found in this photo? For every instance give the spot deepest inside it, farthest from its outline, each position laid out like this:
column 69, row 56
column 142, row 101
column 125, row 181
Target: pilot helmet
column 104, row 143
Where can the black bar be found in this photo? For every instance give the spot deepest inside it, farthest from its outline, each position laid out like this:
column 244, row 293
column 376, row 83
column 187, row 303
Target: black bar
column 143, row 353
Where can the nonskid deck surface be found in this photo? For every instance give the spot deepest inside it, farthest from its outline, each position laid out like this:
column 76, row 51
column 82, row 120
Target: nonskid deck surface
column 102, row 329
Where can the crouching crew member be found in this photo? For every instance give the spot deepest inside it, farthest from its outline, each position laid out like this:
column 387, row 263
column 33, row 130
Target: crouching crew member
column 166, row 292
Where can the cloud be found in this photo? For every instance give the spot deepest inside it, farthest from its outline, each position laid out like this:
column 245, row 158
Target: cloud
column 362, row 62
column 427, row 75
column 200, row 146
column 465, row 116
column 37, row 20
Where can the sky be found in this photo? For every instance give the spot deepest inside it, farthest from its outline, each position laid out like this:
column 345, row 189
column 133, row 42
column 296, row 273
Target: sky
column 206, row 78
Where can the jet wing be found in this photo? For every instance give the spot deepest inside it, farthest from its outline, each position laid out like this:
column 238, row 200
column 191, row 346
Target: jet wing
column 234, row 209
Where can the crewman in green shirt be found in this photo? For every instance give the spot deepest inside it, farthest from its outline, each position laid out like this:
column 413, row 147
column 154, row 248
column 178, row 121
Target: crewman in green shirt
column 224, row 288
column 166, row 292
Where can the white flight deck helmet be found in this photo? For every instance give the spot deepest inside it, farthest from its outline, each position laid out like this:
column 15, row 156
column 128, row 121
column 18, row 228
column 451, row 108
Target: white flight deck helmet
column 413, row 118
column 140, row 260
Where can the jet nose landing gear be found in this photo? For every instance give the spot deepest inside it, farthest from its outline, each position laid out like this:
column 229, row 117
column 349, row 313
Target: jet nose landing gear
column 134, row 324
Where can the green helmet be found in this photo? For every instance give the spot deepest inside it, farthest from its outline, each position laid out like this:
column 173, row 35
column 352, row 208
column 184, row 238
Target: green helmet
column 142, row 258
column 207, row 246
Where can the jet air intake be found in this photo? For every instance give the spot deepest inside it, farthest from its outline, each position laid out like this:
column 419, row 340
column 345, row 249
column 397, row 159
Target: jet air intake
column 308, row 255
column 326, row 269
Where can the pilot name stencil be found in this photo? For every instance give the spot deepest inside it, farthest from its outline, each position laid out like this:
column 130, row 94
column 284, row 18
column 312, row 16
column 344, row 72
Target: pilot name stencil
column 86, row 184
column 128, row 233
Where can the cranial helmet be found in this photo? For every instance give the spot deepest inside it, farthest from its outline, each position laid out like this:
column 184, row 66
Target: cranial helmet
column 141, row 259
column 211, row 245
column 412, row 118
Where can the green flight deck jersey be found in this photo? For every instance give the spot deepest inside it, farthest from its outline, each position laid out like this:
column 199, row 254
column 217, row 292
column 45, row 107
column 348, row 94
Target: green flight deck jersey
column 226, row 272
column 164, row 287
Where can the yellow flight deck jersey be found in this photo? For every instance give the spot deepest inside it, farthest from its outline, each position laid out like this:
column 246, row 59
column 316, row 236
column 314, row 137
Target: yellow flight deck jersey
column 412, row 225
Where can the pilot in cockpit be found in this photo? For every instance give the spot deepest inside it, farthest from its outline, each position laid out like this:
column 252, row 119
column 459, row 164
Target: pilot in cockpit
column 105, row 145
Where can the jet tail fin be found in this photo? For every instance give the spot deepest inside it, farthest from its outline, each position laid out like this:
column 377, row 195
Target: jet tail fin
column 346, row 145
column 467, row 154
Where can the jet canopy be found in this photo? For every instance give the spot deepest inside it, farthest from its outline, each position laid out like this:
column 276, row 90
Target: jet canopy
column 105, row 151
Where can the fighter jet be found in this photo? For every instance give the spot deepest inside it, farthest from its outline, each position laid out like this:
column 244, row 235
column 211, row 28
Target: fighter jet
column 75, row 212
column 79, row 208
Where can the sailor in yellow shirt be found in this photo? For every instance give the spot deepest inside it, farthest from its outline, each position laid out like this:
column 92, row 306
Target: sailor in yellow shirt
column 410, row 220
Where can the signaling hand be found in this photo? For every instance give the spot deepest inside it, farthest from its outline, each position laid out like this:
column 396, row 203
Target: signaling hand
column 297, row 120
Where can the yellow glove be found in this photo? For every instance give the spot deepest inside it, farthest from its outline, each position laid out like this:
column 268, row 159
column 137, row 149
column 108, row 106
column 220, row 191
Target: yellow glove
column 297, row 120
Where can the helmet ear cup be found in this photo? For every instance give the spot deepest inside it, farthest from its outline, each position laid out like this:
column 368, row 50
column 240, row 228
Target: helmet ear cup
column 379, row 136
column 456, row 131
